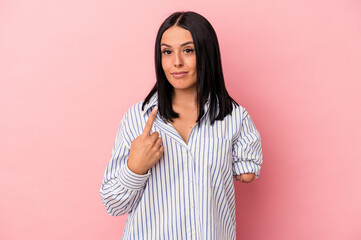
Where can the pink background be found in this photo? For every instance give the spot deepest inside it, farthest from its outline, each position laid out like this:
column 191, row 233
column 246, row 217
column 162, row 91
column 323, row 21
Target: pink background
column 70, row 69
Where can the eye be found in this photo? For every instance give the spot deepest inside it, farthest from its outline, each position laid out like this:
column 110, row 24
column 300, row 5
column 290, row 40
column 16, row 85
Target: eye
column 189, row 50
column 166, row 52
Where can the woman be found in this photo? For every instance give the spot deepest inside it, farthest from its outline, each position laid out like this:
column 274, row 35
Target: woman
column 176, row 152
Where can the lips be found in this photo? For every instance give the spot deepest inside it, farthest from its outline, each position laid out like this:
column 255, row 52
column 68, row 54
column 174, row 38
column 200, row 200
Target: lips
column 179, row 74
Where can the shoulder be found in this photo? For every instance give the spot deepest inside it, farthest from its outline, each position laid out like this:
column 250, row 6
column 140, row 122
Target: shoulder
column 133, row 122
column 238, row 111
column 141, row 109
column 135, row 110
column 238, row 119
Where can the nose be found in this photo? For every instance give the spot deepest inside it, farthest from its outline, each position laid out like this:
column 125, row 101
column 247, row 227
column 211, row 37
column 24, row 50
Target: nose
column 178, row 62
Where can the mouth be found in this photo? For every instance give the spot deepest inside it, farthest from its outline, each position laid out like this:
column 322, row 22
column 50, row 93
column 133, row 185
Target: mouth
column 179, row 74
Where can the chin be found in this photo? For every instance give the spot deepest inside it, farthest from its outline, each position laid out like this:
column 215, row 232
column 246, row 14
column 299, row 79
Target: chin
column 182, row 83
column 183, row 87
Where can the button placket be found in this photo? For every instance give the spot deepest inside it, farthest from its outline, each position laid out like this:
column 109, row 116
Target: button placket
column 191, row 148
column 192, row 183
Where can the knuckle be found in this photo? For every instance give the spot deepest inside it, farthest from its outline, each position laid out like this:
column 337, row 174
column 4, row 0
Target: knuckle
column 142, row 138
column 155, row 138
column 149, row 143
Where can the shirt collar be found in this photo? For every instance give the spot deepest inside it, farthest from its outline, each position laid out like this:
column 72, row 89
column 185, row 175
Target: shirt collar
column 153, row 101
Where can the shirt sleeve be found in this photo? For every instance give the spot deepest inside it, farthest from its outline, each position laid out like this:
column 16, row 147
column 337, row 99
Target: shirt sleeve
column 247, row 149
column 121, row 189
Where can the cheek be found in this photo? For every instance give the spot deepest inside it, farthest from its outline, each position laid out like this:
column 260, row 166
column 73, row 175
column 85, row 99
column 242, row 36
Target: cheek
column 165, row 65
column 194, row 64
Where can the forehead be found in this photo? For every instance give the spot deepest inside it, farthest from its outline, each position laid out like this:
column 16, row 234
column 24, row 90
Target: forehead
column 175, row 36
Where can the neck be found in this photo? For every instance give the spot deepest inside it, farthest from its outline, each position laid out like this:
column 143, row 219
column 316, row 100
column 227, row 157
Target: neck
column 185, row 98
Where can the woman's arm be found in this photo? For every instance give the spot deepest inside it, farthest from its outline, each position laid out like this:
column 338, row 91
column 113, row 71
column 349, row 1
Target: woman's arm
column 129, row 168
column 247, row 151
column 121, row 189
column 245, row 177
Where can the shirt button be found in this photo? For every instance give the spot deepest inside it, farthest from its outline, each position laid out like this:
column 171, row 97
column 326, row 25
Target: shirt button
column 192, row 205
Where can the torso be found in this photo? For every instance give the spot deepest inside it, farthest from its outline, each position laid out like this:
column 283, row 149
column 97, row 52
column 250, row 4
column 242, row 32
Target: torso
column 185, row 123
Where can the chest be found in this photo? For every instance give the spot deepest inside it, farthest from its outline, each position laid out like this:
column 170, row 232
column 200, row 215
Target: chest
column 185, row 123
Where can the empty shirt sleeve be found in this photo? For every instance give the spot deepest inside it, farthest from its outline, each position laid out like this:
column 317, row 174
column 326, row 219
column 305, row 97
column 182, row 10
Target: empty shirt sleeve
column 247, row 149
column 121, row 189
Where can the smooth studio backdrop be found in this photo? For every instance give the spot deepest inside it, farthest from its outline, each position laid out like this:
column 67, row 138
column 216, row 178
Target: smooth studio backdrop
column 70, row 69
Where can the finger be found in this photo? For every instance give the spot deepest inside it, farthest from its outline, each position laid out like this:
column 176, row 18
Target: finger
column 158, row 153
column 154, row 136
column 161, row 149
column 150, row 121
column 152, row 139
column 158, row 143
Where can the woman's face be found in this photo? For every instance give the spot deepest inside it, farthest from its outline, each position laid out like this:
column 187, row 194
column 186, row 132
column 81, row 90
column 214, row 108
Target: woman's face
column 179, row 58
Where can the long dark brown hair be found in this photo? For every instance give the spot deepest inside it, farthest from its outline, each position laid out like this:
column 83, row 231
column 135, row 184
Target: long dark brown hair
column 210, row 81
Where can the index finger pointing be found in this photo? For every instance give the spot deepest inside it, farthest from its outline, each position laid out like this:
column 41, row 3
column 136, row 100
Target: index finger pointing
column 150, row 121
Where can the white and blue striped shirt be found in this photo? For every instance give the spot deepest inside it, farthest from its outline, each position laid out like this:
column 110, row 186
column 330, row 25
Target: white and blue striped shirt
column 189, row 193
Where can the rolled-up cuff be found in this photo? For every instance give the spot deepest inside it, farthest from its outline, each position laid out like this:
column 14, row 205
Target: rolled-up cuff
column 241, row 167
column 131, row 180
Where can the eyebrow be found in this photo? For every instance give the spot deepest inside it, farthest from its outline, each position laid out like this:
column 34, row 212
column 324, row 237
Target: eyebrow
column 183, row 44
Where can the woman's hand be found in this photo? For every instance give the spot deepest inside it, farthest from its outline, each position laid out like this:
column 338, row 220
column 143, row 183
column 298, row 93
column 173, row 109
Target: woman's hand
column 146, row 149
column 246, row 177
